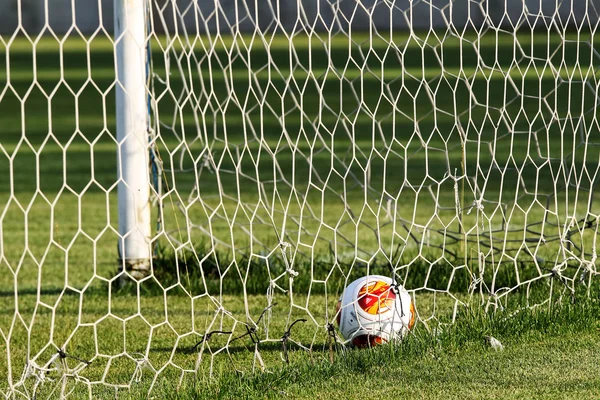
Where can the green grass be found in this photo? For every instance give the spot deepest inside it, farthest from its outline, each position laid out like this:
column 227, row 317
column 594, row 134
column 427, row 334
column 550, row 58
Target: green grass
column 58, row 215
column 548, row 354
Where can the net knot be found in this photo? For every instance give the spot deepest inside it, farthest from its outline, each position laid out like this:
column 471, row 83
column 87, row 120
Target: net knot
column 476, row 281
column 557, row 270
column 140, row 364
column 206, row 163
column 589, row 268
column 478, row 205
column 286, row 249
column 285, row 246
column 32, row 369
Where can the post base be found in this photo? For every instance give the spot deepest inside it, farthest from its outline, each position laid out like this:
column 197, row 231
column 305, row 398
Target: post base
column 137, row 268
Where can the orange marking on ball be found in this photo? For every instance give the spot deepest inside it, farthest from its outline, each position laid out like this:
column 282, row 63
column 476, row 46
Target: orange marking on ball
column 413, row 315
column 376, row 297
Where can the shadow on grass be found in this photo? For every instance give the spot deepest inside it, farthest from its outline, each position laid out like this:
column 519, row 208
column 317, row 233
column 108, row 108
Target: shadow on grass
column 270, row 346
column 211, row 272
column 33, row 291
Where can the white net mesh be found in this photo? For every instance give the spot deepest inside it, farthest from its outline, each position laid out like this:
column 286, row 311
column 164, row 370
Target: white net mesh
column 294, row 146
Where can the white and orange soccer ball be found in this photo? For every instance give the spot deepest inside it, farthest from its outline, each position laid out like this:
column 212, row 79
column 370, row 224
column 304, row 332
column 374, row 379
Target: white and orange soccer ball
column 372, row 310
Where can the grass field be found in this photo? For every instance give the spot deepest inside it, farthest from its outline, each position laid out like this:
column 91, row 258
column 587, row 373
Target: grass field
column 338, row 137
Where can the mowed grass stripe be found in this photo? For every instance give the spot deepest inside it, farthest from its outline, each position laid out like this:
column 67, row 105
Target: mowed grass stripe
column 78, row 44
column 368, row 74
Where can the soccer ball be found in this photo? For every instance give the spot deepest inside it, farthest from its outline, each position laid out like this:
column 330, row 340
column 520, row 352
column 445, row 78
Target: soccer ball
column 372, row 310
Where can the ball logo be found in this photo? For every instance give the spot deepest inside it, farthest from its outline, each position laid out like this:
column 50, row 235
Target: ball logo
column 376, row 297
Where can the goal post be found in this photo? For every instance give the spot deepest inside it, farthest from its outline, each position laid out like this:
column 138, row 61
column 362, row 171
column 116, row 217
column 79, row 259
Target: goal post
column 132, row 136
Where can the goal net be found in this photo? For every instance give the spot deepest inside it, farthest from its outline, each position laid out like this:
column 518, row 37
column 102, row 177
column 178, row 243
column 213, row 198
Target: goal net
column 285, row 148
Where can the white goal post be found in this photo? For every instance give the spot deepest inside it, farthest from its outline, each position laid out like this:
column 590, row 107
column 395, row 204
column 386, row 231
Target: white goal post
column 133, row 136
column 250, row 159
